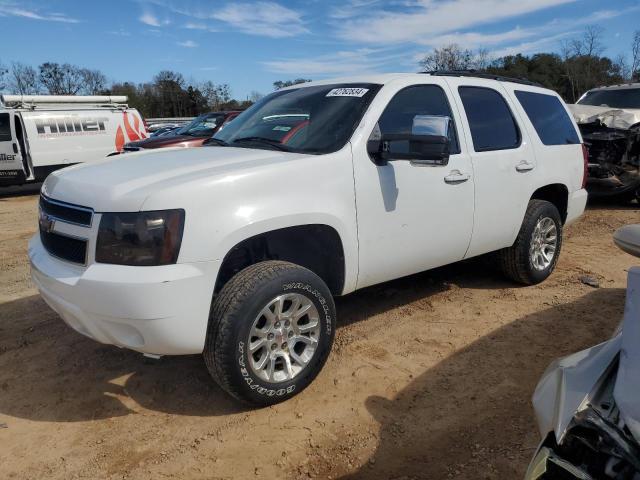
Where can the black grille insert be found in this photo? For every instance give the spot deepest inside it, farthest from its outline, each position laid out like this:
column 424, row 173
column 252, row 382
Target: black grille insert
column 66, row 212
column 66, row 248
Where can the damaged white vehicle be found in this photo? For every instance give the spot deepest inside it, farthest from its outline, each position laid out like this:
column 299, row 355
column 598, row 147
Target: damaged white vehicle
column 588, row 404
column 609, row 120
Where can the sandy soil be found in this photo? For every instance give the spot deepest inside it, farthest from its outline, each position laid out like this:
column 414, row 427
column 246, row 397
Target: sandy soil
column 431, row 378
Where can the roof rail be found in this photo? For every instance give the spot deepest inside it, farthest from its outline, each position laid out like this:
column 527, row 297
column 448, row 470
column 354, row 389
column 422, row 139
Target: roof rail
column 477, row 74
column 34, row 100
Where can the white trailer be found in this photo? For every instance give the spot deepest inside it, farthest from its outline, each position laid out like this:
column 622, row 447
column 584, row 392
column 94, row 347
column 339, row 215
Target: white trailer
column 39, row 134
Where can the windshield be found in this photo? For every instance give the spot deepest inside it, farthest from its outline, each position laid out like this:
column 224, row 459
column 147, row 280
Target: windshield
column 316, row 119
column 623, row 98
column 202, row 126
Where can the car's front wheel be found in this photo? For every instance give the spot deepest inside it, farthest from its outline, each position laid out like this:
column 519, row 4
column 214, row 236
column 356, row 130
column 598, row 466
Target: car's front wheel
column 270, row 332
column 534, row 254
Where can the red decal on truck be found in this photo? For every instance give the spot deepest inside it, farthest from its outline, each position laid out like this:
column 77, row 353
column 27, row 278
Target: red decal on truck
column 133, row 135
column 119, row 139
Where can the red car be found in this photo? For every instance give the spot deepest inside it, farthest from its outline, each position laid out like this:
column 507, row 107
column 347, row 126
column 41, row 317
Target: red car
column 191, row 135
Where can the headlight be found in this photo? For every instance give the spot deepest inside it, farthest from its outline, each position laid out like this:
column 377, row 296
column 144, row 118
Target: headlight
column 141, row 238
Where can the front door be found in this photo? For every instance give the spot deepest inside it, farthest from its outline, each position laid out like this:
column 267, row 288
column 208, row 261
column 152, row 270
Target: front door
column 412, row 217
column 11, row 167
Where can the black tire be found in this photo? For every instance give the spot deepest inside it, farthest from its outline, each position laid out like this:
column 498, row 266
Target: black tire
column 232, row 315
column 515, row 261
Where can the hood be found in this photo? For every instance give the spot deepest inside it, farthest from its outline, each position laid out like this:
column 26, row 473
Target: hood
column 166, row 141
column 123, row 182
column 611, row 117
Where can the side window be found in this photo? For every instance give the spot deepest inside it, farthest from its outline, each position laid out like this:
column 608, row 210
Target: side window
column 490, row 120
column 5, row 128
column 549, row 118
column 418, row 100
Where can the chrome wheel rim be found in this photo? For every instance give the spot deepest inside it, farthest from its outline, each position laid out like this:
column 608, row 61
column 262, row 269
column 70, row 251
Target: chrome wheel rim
column 284, row 338
column 544, row 241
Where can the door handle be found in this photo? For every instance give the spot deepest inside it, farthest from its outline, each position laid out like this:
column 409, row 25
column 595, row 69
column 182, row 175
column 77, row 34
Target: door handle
column 525, row 166
column 15, row 148
column 456, row 176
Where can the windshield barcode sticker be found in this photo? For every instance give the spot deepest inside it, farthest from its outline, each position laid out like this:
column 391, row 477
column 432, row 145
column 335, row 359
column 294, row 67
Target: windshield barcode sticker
column 347, row 92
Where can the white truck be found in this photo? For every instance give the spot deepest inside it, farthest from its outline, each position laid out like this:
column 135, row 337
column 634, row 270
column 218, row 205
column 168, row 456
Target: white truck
column 42, row 133
column 236, row 249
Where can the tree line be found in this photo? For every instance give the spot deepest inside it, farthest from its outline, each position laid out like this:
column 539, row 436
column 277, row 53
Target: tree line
column 168, row 94
column 579, row 66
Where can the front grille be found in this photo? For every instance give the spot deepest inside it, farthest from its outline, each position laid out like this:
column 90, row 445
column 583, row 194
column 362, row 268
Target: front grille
column 64, row 247
column 66, row 212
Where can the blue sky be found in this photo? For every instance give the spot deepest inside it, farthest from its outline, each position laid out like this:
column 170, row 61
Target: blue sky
column 249, row 44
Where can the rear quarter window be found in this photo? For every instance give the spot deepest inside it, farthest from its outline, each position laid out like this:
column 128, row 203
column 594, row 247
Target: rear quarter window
column 549, row 118
column 5, row 128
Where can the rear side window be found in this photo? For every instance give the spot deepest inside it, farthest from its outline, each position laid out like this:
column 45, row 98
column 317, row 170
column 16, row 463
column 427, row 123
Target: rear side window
column 5, row 128
column 548, row 117
column 490, row 120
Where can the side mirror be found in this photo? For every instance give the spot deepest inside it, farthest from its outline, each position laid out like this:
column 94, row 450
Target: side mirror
column 427, row 144
column 627, row 238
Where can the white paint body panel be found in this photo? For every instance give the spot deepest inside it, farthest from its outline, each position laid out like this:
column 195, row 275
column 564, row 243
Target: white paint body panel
column 392, row 221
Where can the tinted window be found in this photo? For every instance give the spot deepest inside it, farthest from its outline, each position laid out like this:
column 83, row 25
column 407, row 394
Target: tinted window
column 548, row 117
column 412, row 102
column 491, row 122
column 622, row 98
column 5, row 128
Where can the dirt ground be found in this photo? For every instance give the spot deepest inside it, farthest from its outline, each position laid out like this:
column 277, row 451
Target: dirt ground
column 431, row 377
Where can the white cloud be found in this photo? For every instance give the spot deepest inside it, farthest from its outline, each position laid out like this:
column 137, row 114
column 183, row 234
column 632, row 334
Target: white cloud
column 262, row 18
column 195, row 26
column 150, row 19
column 343, row 63
column 10, row 9
column 188, row 44
column 428, row 18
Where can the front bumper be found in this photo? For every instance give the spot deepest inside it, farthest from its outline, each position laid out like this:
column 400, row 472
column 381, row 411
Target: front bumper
column 160, row 310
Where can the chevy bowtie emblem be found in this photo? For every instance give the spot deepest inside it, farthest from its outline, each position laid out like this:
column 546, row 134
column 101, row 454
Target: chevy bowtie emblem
column 47, row 222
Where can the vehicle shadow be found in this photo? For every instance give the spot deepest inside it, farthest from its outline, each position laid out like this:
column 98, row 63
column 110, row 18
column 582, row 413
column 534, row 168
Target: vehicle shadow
column 48, row 372
column 473, row 409
column 20, row 190
column 475, row 273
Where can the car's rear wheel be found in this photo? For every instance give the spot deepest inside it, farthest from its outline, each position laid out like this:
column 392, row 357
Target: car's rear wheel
column 270, row 332
column 534, row 254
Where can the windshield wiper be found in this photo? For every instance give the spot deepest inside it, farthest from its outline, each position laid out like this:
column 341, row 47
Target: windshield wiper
column 215, row 141
column 266, row 141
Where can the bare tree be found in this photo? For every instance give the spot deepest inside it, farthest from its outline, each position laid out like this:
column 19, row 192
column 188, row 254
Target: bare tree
column 254, row 96
column 94, row 81
column 592, row 41
column 3, row 73
column 635, row 56
column 621, row 67
column 23, row 79
column 482, row 59
column 448, row 57
column 59, row 79
column 277, row 85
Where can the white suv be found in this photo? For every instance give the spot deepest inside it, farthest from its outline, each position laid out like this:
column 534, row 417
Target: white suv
column 236, row 249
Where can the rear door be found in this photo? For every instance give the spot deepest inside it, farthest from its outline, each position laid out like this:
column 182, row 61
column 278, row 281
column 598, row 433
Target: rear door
column 11, row 167
column 503, row 162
